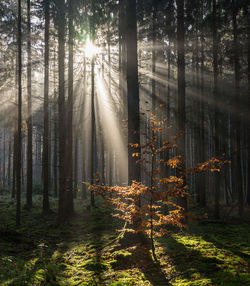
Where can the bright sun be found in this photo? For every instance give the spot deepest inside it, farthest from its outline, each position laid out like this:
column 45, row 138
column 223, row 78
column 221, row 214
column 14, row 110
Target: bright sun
column 90, row 49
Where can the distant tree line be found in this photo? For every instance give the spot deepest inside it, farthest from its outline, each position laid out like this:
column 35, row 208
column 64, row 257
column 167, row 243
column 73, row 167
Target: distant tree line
column 187, row 62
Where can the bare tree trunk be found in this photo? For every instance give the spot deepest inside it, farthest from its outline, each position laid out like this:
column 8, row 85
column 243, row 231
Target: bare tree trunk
column 153, row 55
column 216, row 115
column 84, row 192
column 4, row 157
column 29, row 115
column 69, row 149
column 110, row 151
column 46, row 166
column 92, row 143
column 55, row 166
column 181, row 115
column 61, row 109
column 9, row 161
column 132, row 91
column 19, row 127
column 202, row 122
column 237, row 104
column 76, row 136
column 248, row 118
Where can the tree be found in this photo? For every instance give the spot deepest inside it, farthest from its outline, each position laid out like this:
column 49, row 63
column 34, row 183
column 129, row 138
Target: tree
column 29, row 115
column 237, row 102
column 247, row 12
column 181, row 118
column 19, row 120
column 69, row 149
column 61, row 108
column 132, row 88
column 216, row 120
column 46, row 166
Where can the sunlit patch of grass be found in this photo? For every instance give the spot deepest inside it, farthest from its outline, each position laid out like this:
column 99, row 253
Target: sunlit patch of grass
column 198, row 259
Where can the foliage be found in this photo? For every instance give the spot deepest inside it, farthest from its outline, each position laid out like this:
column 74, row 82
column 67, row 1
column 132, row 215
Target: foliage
column 149, row 208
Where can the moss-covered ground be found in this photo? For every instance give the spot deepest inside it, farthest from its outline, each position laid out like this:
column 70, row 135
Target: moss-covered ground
column 86, row 251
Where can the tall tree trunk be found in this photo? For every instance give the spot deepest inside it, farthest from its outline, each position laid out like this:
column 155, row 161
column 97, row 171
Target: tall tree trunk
column 216, row 113
column 110, row 150
column 69, row 149
column 92, row 137
column 153, row 56
column 248, row 118
column 132, row 91
column 123, row 58
column 84, row 191
column 61, row 109
column 46, row 165
column 181, row 115
column 92, row 106
column 202, row 120
column 237, row 104
column 29, row 114
column 55, row 166
column 19, row 121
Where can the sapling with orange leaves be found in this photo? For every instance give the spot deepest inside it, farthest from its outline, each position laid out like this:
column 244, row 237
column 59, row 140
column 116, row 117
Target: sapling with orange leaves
column 154, row 206
column 160, row 195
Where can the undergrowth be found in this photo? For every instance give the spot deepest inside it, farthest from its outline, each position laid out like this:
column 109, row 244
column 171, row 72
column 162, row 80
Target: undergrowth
column 86, row 251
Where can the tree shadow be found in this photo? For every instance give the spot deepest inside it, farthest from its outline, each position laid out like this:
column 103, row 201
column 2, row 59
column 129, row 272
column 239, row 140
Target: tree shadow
column 191, row 264
column 230, row 243
column 141, row 258
column 97, row 233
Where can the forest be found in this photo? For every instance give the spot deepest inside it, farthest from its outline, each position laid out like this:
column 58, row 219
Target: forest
column 124, row 142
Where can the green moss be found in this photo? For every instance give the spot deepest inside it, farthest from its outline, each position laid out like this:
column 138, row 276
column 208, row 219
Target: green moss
column 85, row 252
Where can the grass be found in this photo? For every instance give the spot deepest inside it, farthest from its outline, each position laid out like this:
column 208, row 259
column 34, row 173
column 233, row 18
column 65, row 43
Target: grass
column 86, row 252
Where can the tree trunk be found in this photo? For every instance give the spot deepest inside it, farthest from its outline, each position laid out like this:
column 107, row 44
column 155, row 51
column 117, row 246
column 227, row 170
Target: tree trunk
column 132, row 91
column 29, row 115
column 84, row 191
column 202, row 122
column 92, row 137
column 181, row 116
column 216, row 115
column 153, row 56
column 248, row 118
column 237, row 104
column 9, row 161
column 55, row 167
column 4, row 157
column 19, row 122
column 61, row 109
column 110, row 149
column 69, row 149
column 46, row 165
column 76, row 136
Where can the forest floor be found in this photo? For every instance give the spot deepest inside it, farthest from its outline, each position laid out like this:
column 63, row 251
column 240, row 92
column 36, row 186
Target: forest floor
column 87, row 252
